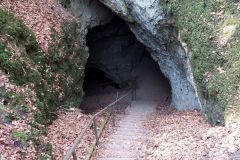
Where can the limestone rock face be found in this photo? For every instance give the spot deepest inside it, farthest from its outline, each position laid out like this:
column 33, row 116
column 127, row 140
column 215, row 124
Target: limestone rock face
column 152, row 28
column 91, row 12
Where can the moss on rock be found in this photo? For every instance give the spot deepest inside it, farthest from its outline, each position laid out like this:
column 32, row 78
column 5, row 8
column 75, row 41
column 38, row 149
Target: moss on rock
column 211, row 31
column 56, row 76
column 54, row 79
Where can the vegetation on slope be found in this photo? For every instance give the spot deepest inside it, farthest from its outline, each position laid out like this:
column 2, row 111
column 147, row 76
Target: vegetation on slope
column 211, row 31
column 44, row 82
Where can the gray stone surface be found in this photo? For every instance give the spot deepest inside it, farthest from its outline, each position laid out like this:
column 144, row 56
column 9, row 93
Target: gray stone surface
column 151, row 27
column 129, row 134
column 91, row 12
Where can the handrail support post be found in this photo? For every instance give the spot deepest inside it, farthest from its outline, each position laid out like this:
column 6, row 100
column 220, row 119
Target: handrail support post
column 95, row 129
column 74, row 155
column 93, row 122
column 113, row 117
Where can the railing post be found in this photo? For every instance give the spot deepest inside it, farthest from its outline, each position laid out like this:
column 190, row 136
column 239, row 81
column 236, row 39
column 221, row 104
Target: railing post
column 92, row 122
column 95, row 130
column 113, row 116
column 113, row 111
column 74, row 155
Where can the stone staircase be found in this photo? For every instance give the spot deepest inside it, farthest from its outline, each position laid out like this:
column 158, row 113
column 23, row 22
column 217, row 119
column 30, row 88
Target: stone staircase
column 125, row 141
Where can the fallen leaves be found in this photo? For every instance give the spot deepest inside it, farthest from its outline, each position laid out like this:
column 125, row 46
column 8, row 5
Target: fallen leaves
column 40, row 16
column 67, row 127
column 187, row 135
column 64, row 130
column 10, row 149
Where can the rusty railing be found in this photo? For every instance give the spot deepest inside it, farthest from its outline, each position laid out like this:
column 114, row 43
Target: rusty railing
column 93, row 122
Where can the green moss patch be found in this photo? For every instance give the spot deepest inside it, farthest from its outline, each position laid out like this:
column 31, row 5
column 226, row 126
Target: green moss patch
column 15, row 30
column 51, row 80
column 56, row 76
column 20, row 136
column 211, row 31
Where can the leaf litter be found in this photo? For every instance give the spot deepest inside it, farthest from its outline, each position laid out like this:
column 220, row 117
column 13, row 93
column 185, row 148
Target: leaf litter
column 187, row 135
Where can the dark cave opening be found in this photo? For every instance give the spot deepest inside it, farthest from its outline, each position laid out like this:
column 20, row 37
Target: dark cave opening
column 117, row 60
column 95, row 81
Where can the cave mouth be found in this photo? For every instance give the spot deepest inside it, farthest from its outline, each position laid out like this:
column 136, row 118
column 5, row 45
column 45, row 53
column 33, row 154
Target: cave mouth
column 117, row 61
column 96, row 82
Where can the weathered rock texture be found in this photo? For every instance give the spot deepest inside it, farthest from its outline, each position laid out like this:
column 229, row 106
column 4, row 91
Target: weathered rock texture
column 151, row 27
column 92, row 12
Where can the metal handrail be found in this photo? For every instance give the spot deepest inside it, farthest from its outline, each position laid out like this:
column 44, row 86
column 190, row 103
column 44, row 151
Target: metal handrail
column 92, row 121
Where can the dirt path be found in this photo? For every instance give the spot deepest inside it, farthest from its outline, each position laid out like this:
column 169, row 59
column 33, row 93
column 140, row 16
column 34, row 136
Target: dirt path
column 125, row 141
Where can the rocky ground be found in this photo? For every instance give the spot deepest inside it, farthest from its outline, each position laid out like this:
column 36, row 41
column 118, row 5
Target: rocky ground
column 187, row 135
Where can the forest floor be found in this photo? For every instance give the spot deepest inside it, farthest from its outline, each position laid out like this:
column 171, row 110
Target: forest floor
column 187, row 135
column 172, row 135
column 39, row 15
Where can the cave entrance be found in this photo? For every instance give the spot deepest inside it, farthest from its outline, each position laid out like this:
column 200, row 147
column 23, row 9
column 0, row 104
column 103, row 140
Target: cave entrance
column 152, row 85
column 96, row 82
column 117, row 59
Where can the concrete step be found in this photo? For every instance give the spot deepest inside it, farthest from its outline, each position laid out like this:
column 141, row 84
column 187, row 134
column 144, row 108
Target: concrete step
column 123, row 137
column 130, row 126
column 115, row 158
column 123, row 141
column 135, row 117
column 121, row 147
column 128, row 133
column 131, row 119
column 129, row 129
column 132, row 123
column 128, row 137
column 118, row 154
column 137, row 123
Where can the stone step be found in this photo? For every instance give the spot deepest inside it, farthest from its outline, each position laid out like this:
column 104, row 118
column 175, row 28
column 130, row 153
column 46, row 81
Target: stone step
column 140, row 117
column 118, row 154
column 115, row 158
column 130, row 126
column 128, row 129
column 134, row 119
column 129, row 133
column 131, row 122
column 121, row 147
column 128, row 137
column 123, row 141
column 126, row 146
column 137, row 112
column 123, row 137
